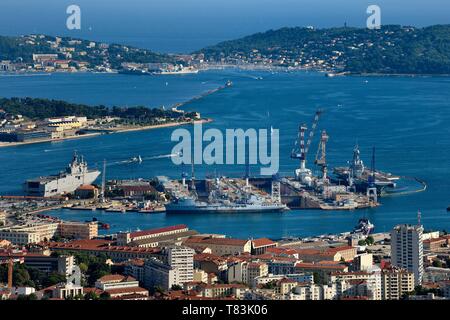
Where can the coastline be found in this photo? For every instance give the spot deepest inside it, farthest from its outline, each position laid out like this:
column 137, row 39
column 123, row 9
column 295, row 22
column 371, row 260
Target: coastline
column 15, row 144
column 111, row 131
column 248, row 67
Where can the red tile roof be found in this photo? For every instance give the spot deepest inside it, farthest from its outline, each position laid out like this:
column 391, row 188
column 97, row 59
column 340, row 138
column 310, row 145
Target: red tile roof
column 87, row 187
column 116, row 278
column 127, row 290
column 97, row 245
column 262, row 242
column 284, row 251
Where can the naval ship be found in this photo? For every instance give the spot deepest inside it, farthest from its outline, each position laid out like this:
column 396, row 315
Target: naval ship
column 189, row 204
column 357, row 175
column 76, row 174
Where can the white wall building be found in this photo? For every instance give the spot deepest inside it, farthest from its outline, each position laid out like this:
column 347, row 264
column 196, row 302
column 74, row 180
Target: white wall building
column 407, row 249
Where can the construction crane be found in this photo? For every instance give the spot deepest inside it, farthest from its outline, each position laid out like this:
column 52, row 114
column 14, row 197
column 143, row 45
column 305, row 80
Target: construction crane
column 300, row 150
column 10, row 262
column 321, row 155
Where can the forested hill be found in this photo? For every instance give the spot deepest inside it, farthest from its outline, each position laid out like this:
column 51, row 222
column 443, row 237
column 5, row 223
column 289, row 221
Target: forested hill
column 95, row 53
column 389, row 50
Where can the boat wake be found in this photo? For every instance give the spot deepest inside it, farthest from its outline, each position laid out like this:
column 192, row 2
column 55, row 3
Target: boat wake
column 139, row 159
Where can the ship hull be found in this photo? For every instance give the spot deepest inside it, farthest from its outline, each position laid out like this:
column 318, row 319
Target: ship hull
column 59, row 185
column 223, row 209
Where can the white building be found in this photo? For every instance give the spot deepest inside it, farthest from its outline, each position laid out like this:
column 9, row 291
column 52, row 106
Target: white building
column 159, row 274
column 181, row 258
column 407, row 249
column 175, row 267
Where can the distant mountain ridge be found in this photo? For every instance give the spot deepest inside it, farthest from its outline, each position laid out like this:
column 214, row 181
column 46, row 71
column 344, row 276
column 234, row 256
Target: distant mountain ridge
column 391, row 49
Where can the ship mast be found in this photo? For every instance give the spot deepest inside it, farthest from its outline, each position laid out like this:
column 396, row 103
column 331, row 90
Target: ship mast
column 194, row 192
column 102, row 197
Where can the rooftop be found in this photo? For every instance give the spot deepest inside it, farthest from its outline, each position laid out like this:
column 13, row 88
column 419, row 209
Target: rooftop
column 262, row 242
column 217, row 241
column 156, row 231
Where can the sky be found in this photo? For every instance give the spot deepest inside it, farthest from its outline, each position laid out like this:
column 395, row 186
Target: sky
column 188, row 25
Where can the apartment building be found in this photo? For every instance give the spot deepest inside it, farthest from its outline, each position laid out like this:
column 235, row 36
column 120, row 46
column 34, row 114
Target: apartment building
column 395, row 282
column 407, row 249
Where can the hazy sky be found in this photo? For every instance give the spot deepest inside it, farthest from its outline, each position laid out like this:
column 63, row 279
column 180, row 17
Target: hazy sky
column 186, row 25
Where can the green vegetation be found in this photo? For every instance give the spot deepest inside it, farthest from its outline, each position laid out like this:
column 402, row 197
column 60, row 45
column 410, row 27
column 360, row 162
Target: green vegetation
column 367, row 242
column 421, row 291
column 29, row 297
column 36, row 109
column 24, row 276
column 22, row 49
column 389, row 50
column 93, row 267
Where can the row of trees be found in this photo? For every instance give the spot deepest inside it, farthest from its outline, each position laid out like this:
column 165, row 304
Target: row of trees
column 36, row 108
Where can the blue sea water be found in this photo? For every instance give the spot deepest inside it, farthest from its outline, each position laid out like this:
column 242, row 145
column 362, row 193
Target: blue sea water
column 405, row 118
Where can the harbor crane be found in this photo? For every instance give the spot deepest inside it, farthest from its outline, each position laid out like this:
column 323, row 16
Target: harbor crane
column 321, row 156
column 300, row 150
column 372, row 193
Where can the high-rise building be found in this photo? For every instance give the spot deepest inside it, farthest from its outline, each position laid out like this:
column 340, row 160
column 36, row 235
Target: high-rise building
column 181, row 258
column 407, row 249
column 174, row 267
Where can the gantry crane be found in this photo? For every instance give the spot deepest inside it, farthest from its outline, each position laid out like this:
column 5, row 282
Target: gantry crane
column 321, row 154
column 300, row 150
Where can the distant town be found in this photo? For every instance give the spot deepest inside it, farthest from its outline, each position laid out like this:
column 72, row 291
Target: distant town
column 42, row 53
column 337, row 51
column 177, row 263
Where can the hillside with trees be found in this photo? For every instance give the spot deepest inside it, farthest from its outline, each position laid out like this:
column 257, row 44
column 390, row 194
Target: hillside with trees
column 389, row 50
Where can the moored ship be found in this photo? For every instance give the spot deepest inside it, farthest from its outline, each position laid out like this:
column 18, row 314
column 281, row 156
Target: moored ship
column 364, row 227
column 76, row 174
column 253, row 205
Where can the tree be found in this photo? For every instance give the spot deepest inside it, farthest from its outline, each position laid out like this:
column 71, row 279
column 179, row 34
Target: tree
column 83, row 267
column 158, row 289
column 105, row 296
column 437, row 263
column 361, row 242
column 176, row 287
column 53, row 278
column 24, row 297
column 91, row 295
column 370, row 240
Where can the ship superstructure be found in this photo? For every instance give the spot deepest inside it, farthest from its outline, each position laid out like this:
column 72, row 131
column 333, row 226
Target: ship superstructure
column 75, row 175
column 224, row 196
column 357, row 176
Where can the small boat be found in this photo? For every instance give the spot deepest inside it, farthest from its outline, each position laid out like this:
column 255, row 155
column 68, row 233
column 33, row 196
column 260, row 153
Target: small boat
column 364, row 227
column 137, row 159
column 104, row 226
